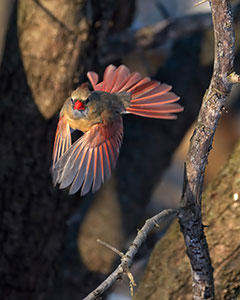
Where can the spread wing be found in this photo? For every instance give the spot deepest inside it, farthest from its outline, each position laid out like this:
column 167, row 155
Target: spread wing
column 62, row 139
column 90, row 160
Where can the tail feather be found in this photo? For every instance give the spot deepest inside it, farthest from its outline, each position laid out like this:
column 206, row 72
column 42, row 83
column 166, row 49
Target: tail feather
column 157, row 91
column 121, row 75
column 163, row 99
column 167, row 108
column 93, row 77
column 132, row 81
column 149, row 98
column 144, row 88
column 108, row 78
column 151, row 114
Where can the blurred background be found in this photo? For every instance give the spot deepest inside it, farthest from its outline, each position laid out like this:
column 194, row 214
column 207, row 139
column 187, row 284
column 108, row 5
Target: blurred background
column 49, row 239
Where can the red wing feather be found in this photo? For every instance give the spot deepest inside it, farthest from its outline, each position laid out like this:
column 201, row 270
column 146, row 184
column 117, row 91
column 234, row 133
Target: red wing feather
column 90, row 160
column 62, row 139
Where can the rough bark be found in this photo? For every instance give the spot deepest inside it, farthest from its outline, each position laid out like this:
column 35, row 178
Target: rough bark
column 190, row 214
column 167, row 275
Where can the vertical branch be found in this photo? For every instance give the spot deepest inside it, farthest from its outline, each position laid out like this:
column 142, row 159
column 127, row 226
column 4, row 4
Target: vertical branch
column 190, row 215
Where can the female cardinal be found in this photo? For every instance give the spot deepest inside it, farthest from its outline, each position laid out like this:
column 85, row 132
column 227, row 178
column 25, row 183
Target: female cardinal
column 89, row 161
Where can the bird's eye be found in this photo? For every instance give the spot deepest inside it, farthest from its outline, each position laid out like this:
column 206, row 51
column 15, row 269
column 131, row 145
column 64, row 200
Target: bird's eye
column 78, row 105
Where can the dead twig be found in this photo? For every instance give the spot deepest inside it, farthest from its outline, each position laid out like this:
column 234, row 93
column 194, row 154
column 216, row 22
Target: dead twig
column 127, row 258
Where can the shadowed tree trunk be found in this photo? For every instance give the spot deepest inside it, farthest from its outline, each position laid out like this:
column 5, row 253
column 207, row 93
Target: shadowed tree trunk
column 168, row 273
column 53, row 41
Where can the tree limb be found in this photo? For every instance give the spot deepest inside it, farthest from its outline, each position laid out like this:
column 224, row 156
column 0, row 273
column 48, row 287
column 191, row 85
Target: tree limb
column 190, row 215
column 153, row 36
column 127, row 259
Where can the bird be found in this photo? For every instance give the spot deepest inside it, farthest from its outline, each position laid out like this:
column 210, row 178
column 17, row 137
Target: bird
column 88, row 162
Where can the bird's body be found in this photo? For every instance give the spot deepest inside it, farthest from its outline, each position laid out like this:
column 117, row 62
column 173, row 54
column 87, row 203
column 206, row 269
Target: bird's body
column 88, row 162
column 100, row 106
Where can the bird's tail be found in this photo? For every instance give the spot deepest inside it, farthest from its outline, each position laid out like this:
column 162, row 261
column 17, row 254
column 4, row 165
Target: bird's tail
column 149, row 98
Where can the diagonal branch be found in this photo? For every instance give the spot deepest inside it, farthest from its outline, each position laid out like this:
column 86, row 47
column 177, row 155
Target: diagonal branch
column 190, row 215
column 153, row 36
column 132, row 250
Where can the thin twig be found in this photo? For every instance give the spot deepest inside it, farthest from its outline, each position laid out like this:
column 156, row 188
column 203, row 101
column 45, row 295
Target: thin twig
column 127, row 259
column 190, row 215
column 121, row 254
column 127, row 271
column 200, row 2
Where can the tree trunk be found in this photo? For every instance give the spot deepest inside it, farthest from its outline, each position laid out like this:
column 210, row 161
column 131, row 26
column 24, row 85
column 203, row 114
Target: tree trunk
column 168, row 273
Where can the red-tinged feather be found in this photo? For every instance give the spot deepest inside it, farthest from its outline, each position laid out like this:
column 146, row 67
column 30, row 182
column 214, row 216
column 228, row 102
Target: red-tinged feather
column 107, row 164
column 144, row 88
column 97, row 180
column 108, row 78
column 56, row 148
column 168, row 108
column 93, row 77
column 89, row 161
column 78, row 180
column 163, row 99
column 71, row 168
column 153, row 100
column 114, row 154
column 164, row 108
column 62, row 139
column 155, row 115
column 130, row 81
column 115, row 144
column 98, row 87
column 89, row 174
column 115, row 77
column 157, row 91
column 121, row 74
column 139, row 81
column 101, row 162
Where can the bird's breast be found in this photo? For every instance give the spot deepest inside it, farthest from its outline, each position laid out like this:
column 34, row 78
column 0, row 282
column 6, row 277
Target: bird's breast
column 83, row 124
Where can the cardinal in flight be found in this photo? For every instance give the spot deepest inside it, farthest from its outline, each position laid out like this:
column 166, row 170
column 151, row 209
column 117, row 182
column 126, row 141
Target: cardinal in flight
column 89, row 161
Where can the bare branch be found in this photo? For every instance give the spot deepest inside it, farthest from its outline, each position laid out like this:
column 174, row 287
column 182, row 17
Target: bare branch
column 190, row 215
column 127, row 259
column 153, row 36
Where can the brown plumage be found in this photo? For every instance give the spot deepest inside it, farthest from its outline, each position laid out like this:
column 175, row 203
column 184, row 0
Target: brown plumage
column 89, row 161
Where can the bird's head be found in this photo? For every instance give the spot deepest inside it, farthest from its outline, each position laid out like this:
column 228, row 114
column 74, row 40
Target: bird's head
column 78, row 104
